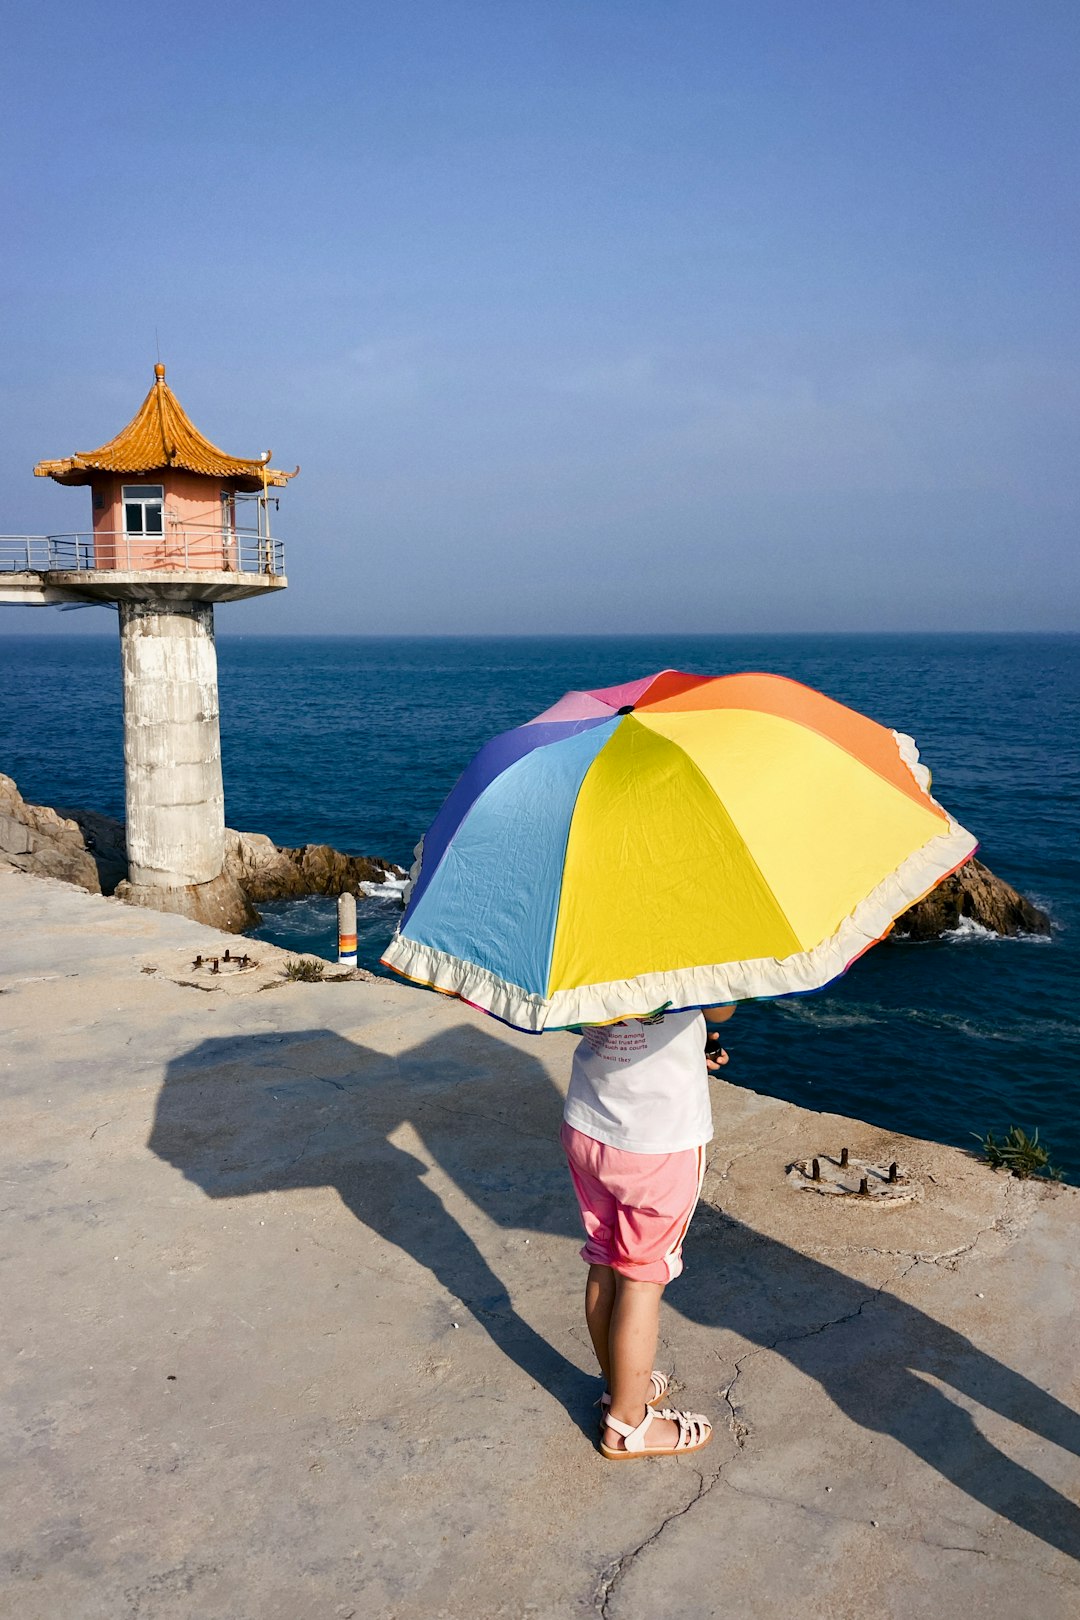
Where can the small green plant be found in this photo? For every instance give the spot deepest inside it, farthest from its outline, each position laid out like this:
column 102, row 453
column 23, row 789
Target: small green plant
column 303, row 969
column 1017, row 1152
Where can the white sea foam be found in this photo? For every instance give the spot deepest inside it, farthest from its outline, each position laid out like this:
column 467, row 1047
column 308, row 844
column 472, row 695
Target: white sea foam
column 826, row 1017
column 1016, row 1034
column 968, row 931
column 391, row 888
column 968, row 928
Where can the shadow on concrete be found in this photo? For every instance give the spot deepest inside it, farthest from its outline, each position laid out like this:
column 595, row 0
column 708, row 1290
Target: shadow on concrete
column 881, row 1376
column 274, row 1112
column 267, row 1113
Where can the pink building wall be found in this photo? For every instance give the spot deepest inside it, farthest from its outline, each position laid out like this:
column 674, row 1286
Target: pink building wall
column 192, row 503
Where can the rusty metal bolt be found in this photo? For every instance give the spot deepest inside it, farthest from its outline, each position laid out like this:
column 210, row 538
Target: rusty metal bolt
column 894, row 1169
column 843, row 1158
column 864, row 1188
column 815, row 1171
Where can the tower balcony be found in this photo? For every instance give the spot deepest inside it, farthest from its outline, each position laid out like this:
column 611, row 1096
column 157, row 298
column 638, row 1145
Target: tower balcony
column 184, row 563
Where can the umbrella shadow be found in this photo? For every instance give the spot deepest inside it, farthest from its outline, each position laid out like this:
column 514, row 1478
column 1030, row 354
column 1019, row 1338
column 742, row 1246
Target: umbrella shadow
column 271, row 1113
column 274, row 1112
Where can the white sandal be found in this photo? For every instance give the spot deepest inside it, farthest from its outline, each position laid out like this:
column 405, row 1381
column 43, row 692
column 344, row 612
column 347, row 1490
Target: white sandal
column 695, row 1431
column 660, row 1383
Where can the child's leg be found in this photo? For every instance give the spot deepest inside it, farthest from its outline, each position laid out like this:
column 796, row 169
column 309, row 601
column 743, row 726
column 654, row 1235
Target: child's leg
column 640, row 1221
column 599, row 1302
column 632, row 1337
column 635, row 1328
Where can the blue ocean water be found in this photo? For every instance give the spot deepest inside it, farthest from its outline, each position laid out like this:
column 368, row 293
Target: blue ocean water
column 356, row 742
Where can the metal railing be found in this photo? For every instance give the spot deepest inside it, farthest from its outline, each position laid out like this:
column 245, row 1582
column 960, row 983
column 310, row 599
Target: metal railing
column 182, row 548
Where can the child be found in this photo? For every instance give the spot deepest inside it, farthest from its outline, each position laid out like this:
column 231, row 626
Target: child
column 636, row 1122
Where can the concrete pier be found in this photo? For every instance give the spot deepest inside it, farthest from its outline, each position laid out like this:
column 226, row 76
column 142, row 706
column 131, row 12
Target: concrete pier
column 292, row 1326
column 172, row 744
column 172, row 763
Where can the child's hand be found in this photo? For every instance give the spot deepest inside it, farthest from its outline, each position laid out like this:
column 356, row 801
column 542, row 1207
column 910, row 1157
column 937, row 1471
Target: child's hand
column 715, row 1056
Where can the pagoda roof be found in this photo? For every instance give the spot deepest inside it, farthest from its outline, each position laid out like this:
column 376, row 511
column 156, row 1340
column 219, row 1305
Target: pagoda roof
column 161, row 436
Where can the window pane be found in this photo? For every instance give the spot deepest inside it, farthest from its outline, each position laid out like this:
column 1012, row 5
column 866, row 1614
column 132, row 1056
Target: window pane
column 143, row 492
column 152, row 513
column 132, row 518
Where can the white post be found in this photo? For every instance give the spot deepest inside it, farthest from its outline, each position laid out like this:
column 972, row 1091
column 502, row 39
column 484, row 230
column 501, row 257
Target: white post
column 346, row 929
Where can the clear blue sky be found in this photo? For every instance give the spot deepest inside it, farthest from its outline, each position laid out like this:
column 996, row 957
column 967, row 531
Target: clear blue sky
column 612, row 315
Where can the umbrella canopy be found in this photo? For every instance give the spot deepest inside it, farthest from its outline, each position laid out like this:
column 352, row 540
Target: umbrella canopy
column 682, row 840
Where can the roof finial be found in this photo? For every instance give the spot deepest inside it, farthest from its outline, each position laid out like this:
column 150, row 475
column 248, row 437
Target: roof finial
column 159, row 372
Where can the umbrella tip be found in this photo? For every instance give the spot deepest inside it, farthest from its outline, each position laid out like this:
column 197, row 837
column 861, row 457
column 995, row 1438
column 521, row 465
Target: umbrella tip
column 627, row 708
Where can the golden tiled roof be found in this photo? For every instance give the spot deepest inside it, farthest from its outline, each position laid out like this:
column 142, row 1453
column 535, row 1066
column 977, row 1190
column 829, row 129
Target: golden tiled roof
column 159, row 436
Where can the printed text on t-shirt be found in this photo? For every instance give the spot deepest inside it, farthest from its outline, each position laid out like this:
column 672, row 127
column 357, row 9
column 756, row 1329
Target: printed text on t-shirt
column 618, row 1043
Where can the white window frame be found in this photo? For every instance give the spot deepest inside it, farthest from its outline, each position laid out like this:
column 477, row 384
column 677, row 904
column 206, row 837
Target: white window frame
column 143, row 496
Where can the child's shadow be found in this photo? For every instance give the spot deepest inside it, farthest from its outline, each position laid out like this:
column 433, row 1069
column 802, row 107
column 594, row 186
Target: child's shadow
column 268, row 1113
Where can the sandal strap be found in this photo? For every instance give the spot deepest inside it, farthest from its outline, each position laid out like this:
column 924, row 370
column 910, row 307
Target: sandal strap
column 659, row 1381
column 634, row 1437
column 693, row 1426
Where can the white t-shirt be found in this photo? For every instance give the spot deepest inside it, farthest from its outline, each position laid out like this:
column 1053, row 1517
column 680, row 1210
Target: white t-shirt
column 642, row 1085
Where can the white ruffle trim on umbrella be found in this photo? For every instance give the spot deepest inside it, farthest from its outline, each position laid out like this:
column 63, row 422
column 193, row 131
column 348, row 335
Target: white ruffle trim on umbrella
column 414, row 872
column 909, row 753
column 701, row 986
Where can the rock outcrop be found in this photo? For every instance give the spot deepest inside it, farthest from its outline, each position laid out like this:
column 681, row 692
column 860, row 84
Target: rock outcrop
column 973, row 894
column 37, row 839
column 268, row 871
column 104, row 841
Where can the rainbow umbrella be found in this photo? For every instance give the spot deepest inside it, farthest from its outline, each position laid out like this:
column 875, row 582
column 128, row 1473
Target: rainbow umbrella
column 680, row 840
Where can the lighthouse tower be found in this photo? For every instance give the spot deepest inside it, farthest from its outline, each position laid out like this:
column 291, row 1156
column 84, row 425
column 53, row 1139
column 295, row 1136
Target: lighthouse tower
column 168, row 540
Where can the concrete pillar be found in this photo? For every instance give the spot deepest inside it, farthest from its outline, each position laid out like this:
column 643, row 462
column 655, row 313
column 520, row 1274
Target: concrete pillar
column 172, row 747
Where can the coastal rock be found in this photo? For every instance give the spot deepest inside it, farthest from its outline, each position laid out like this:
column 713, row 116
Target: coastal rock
column 268, row 871
column 103, row 839
column 263, row 871
column 976, row 895
column 43, row 841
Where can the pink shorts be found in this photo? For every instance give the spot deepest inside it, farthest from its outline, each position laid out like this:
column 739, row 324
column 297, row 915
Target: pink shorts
column 635, row 1207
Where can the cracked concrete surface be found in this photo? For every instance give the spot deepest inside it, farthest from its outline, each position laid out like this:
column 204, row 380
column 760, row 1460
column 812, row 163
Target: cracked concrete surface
column 292, row 1327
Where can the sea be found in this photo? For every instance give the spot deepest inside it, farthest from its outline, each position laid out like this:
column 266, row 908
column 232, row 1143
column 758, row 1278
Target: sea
column 355, row 743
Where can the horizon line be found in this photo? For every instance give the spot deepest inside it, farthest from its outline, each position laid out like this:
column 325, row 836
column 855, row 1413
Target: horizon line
column 567, row 635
